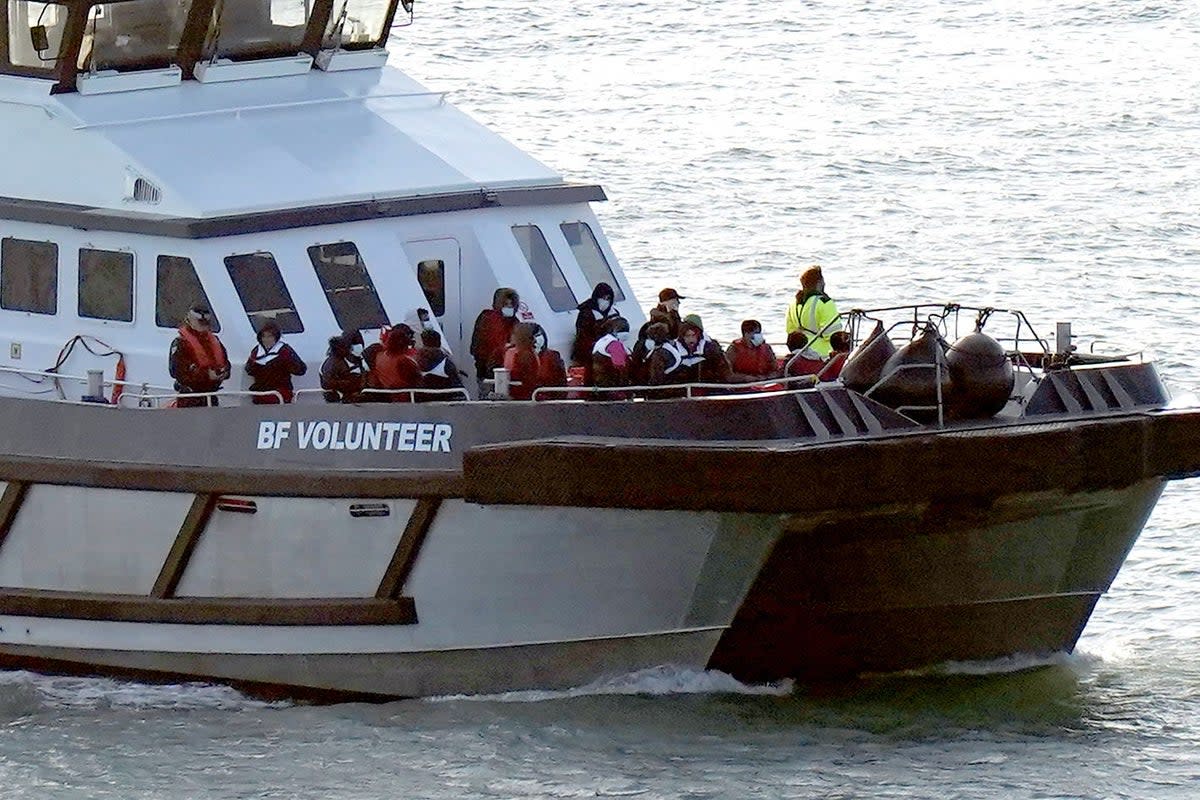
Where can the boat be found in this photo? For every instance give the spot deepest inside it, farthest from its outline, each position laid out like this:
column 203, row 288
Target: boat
column 260, row 157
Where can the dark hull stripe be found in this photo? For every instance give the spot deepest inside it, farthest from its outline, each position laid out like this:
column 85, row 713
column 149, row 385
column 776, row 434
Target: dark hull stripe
column 407, row 548
column 213, row 480
column 185, row 544
column 207, row 610
column 86, row 218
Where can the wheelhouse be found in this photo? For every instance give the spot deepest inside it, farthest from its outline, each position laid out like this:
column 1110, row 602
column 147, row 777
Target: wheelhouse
column 81, row 43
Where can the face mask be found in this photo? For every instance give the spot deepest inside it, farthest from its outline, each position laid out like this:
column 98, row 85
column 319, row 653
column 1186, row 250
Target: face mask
column 356, row 349
column 624, row 336
column 604, row 304
column 428, row 325
column 756, row 339
column 539, row 344
column 509, row 312
column 649, row 344
column 672, row 305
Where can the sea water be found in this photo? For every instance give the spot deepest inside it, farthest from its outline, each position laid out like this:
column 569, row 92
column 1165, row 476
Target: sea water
column 1033, row 155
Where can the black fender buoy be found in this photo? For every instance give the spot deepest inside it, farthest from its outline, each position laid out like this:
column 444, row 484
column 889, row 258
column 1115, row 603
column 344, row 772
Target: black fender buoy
column 864, row 367
column 982, row 375
column 910, row 376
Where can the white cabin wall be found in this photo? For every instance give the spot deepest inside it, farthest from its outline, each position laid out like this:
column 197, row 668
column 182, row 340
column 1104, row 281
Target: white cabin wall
column 490, row 257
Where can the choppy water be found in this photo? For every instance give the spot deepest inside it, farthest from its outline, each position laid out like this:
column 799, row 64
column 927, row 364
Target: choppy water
column 1035, row 155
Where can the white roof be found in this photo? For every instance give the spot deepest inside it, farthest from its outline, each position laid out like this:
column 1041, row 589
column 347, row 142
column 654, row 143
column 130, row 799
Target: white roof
column 254, row 145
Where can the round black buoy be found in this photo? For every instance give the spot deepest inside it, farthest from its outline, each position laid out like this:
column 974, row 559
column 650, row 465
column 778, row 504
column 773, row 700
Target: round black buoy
column 911, row 377
column 982, row 375
column 864, row 367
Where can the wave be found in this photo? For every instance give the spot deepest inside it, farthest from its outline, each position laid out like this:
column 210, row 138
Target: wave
column 653, row 682
column 27, row 693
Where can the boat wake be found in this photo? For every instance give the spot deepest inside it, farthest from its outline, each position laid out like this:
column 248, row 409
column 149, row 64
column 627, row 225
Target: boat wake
column 27, row 692
column 652, row 682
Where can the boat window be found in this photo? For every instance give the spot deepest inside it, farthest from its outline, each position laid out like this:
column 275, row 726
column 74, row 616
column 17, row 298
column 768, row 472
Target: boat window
column 178, row 289
column 590, row 257
column 545, row 267
column 256, row 28
column 431, row 274
column 136, row 34
column 263, row 293
column 348, row 286
column 356, row 24
column 35, row 31
column 106, row 285
column 29, row 276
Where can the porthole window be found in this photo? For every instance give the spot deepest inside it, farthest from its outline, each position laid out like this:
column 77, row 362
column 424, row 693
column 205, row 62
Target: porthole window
column 545, row 267
column 348, row 286
column 178, row 289
column 106, row 284
column 431, row 274
column 29, row 276
column 262, row 291
column 590, row 257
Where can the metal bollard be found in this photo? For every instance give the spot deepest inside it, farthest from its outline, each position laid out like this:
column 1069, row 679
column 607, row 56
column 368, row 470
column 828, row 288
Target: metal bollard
column 1062, row 338
column 503, row 382
column 95, row 383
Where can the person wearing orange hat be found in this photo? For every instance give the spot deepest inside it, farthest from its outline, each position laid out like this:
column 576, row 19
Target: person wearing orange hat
column 813, row 313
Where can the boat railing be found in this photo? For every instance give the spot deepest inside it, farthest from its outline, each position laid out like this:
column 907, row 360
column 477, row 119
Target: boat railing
column 169, row 398
column 385, row 395
column 673, row 391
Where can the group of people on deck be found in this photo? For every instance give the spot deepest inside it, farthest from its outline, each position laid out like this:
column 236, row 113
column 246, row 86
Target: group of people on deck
column 668, row 350
column 394, row 369
column 405, row 365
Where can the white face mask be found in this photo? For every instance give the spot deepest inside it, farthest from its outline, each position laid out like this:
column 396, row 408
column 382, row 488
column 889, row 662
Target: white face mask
column 649, row 344
column 509, row 312
column 624, row 336
column 756, row 339
column 604, row 304
column 356, row 349
column 539, row 343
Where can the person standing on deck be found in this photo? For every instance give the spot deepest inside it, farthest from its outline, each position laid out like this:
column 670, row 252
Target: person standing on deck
column 272, row 363
column 590, row 322
column 493, row 328
column 198, row 361
column 813, row 313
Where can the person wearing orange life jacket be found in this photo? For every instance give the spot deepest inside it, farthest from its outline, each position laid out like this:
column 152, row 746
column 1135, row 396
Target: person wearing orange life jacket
column 198, row 361
column 813, row 313
column 522, row 363
column 551, row 369
column 750, row 358
column 395, row 367
column 802, row 360
column 831, row 370
column 272, row 363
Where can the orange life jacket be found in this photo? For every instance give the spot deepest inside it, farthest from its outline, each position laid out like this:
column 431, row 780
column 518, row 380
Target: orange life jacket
column 203, row 350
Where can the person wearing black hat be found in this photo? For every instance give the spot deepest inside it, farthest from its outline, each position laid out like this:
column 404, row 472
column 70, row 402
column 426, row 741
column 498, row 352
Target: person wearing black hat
column 668, row 303
column 198, row 361
column 589, row 323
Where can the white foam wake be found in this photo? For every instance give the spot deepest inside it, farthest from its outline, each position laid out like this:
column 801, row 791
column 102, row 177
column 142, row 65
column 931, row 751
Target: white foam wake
column 1000, row 666
column 69, row 692
column 654, row 681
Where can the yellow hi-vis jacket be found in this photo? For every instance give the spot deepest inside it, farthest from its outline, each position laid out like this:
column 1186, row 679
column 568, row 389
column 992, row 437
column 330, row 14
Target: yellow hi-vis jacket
column 812, row 318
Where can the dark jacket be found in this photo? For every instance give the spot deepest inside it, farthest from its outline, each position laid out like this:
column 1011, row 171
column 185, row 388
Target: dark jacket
column 192, row 355
column 589, row 323
column 342, row 379
column 272, row 372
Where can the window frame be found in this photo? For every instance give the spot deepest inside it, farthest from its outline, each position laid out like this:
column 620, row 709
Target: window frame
column 330, row 292
column 610, row 277
column 552, row 301
column 4, row 274
column 251, row 316
column 79, row 283
column 174, row 324
column 433, row 307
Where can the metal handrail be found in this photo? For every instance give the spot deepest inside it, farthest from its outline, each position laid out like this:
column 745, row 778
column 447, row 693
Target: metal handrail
column 459, row 392
column 729, row 390
column 154, row 400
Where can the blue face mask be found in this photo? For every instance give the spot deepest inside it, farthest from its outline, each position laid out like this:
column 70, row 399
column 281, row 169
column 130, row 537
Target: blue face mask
column 756, row 339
